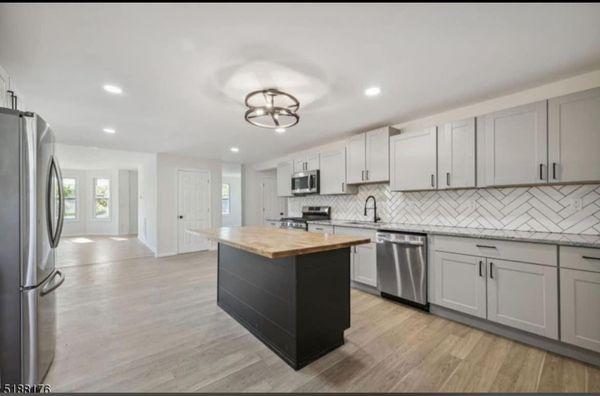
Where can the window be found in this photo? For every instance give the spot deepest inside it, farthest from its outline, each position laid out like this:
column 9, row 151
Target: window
column 70, row 193
column 225, row 203
column 102, row 198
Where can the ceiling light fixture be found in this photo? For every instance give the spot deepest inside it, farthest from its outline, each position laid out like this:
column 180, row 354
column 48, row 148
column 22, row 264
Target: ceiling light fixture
column 113, row 89
column 109, row 130
column 234, row 149
column 372, row 91
column 272, row 108
column 280, row 130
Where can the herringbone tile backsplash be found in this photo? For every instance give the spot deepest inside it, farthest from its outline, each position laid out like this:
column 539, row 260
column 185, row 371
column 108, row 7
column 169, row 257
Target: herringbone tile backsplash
column 571, row 209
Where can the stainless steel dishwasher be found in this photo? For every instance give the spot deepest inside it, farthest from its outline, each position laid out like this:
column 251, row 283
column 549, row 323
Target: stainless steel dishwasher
column 402, row 267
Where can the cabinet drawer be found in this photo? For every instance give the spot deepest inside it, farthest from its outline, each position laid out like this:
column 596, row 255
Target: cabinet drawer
column 586, row 259
column 361, row 232
column 324, row 229
column 506, row 250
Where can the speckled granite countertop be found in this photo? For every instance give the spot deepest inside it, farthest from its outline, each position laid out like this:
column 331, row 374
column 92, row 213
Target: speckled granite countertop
column 555, row 238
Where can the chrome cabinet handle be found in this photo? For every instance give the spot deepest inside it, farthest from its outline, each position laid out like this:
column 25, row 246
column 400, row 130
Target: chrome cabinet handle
column 343, row 185
column 541, row 171
column 362, row 175
column 367, row 174
column 554, row 170
column 432, row 181
column 480, row 264
column 491, row 270
column 448, row 178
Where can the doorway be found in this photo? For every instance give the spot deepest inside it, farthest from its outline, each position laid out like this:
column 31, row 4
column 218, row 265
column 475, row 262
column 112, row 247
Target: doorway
column 193, row 209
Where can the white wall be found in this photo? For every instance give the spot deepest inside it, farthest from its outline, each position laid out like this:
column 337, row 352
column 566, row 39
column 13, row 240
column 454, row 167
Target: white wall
column 93, row 158
column 133, row 202
column 167, row 166
column 232, row 175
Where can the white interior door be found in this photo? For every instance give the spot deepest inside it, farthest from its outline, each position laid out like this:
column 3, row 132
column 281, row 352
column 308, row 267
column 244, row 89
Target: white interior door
column 193, row 191
column 271, row 206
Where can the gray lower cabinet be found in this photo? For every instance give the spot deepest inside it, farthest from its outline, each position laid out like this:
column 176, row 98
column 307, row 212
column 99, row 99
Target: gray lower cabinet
column 579, row 304
column 523, row 296
column 363, row 258
column 580, row 296
column 364, row 264
column 459, row 283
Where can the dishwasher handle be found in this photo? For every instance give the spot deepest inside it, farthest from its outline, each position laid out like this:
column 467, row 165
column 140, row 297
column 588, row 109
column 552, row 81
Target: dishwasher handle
column 399, row 242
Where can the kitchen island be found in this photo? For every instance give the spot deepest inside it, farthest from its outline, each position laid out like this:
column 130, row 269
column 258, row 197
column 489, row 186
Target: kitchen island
column 289, row 288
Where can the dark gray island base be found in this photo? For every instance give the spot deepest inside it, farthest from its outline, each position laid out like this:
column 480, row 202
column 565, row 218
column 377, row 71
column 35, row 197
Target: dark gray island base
column 299, row 306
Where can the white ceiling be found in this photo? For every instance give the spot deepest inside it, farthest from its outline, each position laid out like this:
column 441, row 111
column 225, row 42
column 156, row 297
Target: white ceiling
column 185, row 68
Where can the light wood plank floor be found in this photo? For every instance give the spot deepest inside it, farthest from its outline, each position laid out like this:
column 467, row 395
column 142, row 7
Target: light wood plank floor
column 78, row 250
column 150, row 324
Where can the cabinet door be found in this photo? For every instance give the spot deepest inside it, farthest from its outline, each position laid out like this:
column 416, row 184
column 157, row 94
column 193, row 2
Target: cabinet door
column 459, row 283
column 377, row 155
column 312, row 162
column 333, row 172
column 574, row 137
column 579, row 297
column 355, row 165
column 524, row 296
column 516, row 144
column 364, row 264
column 5, row 100
column 456, row 154
column 413, row 160
column 299, row 164
column 284, row 179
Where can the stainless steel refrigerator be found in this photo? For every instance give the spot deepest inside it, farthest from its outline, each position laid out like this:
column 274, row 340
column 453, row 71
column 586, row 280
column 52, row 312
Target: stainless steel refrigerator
column 31, row 218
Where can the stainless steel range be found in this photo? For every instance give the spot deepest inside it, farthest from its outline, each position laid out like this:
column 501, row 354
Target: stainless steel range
column 308, row 213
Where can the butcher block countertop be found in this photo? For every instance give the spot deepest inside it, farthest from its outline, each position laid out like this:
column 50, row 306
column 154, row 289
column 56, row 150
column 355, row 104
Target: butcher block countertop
column 277, row 243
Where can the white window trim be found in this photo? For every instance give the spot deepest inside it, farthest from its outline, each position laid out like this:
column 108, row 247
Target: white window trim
column 77, row 200
column 110, row 198
column 228, row 199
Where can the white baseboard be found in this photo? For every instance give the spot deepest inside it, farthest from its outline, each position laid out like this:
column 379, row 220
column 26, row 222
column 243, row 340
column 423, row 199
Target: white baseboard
column 168, row 254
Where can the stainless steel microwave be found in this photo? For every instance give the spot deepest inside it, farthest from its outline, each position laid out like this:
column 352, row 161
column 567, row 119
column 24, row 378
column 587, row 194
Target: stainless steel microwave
column 306, row 182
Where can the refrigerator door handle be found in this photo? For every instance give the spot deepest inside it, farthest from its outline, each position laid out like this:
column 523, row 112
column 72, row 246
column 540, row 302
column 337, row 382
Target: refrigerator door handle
column 54, row 284
column 61, row 206
column 54, row 231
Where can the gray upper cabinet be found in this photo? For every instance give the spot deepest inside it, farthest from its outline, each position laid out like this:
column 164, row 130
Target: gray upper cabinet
column 5, row 99
column 307, row 162
column 574, row 137
column 456, row 154
column 368, row 157
column 413, row 160
column 377, row 155
column 356, row 160
column 333, row 173
column 513, row 146
column 284, row 178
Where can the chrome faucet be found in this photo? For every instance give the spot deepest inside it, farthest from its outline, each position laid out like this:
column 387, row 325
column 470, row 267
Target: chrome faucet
column 375, row 218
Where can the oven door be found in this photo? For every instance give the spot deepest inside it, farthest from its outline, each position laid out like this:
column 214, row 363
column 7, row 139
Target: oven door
column 304, row 183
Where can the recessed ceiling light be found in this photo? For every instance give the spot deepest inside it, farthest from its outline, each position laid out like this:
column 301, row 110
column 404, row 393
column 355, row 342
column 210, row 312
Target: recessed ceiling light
column 113, row 89
column 372, row 91
column 234, row 149
column 109, row 130
column 279, row 130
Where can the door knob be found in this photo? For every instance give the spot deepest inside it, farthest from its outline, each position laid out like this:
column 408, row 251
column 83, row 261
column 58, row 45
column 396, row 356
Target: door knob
column 181, row 216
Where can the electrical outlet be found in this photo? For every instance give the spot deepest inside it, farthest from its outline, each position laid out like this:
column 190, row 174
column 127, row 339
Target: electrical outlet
column 576, row 204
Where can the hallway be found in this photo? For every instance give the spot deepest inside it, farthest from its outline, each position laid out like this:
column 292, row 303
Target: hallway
column 84, row 250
